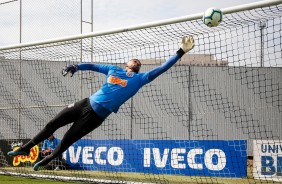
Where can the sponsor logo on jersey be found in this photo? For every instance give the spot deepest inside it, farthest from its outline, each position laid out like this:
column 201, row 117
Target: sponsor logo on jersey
column 129, row 74
column 115, row 80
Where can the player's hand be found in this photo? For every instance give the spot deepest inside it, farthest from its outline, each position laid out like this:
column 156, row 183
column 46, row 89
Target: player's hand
column 187, row 43
column 69, row 68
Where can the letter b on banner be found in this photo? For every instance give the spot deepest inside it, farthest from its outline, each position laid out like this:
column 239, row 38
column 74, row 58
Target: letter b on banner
column 268, row 166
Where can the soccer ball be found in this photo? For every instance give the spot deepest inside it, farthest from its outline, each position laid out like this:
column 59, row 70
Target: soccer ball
column 212, row 17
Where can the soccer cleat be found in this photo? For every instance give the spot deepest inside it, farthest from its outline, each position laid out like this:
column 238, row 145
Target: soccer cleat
column 16, row 153
column 36, row 166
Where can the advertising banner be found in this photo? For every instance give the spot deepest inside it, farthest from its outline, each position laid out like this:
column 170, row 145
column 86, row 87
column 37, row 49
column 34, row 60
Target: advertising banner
column 184, row 157
column 20, row 160
column 267, row 163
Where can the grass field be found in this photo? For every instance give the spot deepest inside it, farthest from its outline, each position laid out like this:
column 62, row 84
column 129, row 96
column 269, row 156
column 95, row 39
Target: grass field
column 108, row 177
column 21, row 180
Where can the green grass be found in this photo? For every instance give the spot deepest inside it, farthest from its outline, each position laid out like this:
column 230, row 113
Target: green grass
column 116, row 177
column 16, row 180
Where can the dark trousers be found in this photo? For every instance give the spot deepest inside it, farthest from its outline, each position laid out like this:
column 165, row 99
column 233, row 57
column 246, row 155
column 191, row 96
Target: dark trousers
column 84, row 121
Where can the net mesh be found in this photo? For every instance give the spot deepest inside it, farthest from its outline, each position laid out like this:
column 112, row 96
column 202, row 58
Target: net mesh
column 226, row 89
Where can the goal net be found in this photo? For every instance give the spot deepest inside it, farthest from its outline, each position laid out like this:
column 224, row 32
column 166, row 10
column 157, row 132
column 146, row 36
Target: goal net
column 214, row 117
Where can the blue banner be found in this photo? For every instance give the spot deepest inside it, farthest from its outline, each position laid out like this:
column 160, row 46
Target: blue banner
column 181, row 157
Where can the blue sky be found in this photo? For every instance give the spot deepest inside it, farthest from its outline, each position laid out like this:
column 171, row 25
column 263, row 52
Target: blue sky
column 59, row 18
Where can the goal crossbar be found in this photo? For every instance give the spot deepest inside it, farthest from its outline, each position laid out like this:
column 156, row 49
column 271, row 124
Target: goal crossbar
column 239, row 8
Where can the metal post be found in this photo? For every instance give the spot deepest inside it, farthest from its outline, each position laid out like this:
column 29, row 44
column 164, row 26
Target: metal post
column 20, row 76
column 81, row 45
column 81, row 30
column 92, row 27
column 190, row 103
column 262, row 26
column 131, row 119
column 92, row 49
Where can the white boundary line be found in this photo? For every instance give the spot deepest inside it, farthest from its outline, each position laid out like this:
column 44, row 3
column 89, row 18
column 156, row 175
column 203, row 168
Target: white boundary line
column 147, row 25
column 66, row 178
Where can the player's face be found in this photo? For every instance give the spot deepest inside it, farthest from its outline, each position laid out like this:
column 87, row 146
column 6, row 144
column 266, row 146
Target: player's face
column 129, row 65
column 133, row 66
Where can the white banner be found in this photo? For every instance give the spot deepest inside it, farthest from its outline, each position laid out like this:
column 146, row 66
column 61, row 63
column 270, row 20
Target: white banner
column 267, row 163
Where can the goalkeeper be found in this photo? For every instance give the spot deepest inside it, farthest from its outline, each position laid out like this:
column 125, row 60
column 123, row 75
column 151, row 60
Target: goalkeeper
column 89, row 113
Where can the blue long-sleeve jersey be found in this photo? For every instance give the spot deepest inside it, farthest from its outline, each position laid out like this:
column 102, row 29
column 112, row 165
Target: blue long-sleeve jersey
column 121, row 85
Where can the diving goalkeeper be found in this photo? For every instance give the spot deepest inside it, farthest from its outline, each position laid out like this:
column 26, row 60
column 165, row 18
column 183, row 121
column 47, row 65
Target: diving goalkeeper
column 89, row 113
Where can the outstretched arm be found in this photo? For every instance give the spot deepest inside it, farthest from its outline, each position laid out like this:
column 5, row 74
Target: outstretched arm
column 165, row 66
column 187, row 45
column 86, row 66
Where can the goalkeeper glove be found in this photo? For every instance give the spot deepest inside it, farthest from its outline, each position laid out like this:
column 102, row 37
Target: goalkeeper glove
column 186, row 45
column 69, row 68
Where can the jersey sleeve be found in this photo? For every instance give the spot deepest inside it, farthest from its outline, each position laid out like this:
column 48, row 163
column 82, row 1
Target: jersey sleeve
column 151, row 75
column 162, row 68
column 96, row 67
column 144, row 78
column 105, row 68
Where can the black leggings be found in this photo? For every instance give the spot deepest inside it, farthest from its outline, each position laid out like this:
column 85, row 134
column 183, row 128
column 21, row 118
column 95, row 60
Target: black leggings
column 84, row 121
